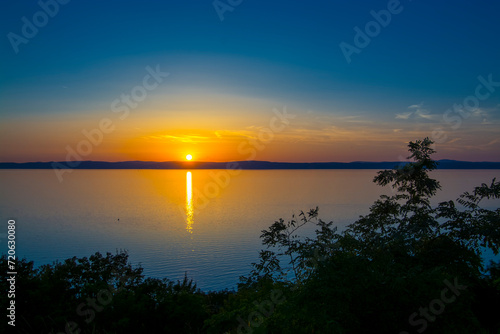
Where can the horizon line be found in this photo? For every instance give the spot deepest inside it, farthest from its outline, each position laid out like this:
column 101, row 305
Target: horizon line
column 236, row 161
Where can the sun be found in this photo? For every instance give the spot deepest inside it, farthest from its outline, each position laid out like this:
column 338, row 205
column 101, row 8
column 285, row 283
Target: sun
column 189, row 157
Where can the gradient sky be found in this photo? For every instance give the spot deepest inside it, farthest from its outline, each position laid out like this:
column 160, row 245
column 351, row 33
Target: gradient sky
column 229, row 79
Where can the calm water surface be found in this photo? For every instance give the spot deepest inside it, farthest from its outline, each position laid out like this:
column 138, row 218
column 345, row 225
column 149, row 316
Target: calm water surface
column 174, row 221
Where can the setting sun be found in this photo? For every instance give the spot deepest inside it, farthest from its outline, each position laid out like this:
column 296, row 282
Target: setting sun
column 189, row 157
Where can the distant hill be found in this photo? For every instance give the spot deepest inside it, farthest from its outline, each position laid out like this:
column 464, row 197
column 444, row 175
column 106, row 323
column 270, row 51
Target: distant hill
column 442, row 164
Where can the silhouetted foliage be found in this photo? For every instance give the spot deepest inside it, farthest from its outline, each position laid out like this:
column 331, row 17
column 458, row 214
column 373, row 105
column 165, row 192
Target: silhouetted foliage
column 406, row 267
column 105, row 294
column 379, row 274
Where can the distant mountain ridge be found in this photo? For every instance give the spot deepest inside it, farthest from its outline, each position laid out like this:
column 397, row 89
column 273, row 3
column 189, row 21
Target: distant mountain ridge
column 251, row 164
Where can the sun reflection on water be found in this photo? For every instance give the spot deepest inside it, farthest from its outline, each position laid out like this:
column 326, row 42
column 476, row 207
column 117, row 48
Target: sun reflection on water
column 189, row 203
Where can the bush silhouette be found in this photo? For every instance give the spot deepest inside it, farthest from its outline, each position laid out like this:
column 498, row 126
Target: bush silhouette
column 406, row 267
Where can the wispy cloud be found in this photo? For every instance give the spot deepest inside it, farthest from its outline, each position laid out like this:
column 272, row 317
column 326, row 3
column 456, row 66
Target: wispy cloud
column 483, row 115
column 180, row 138
column 417, row 112
column 204, row 136
column 404, row 115
column 454, row 140
column 494, row 141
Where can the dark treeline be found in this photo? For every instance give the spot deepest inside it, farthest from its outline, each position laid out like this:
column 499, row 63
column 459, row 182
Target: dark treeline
column 406, row 267
column 443, row 164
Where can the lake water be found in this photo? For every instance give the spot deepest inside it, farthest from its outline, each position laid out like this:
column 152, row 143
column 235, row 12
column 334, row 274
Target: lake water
column 203, row 222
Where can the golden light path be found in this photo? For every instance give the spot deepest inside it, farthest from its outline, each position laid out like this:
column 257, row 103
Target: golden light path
column 189, row 203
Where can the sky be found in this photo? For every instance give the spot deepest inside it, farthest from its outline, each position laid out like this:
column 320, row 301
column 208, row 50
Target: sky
column 248, row 80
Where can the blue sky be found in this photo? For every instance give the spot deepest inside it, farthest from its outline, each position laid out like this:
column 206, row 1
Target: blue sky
column 262, row 55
